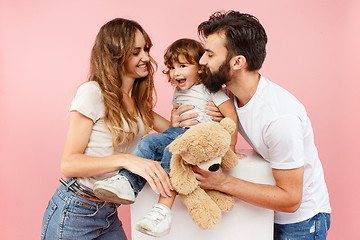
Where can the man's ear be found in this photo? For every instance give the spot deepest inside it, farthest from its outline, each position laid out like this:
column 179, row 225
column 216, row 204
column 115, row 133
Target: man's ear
column 238, row 62
column 201, row 71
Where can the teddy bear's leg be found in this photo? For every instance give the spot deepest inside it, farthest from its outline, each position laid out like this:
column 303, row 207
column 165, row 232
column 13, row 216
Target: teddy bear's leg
column 202, row 209
column 224, row 201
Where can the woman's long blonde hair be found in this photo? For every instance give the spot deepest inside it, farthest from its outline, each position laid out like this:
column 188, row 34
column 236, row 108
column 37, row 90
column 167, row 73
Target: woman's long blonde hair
column 113, row 46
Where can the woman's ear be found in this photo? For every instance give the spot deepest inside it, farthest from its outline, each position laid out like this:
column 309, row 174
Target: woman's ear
column 238, row 62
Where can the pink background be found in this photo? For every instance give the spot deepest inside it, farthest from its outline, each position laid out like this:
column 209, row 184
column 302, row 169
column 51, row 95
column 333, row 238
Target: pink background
column 44, row 56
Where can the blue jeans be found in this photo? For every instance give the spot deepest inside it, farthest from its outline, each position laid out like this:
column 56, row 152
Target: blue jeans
column 154, row 147
column 313, row 228
column 69, row 216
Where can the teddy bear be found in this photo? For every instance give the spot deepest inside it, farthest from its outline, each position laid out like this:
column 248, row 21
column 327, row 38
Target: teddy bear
column 206, row 145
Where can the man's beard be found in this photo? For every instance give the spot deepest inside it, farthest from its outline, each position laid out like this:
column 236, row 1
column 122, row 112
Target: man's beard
column 214, row 81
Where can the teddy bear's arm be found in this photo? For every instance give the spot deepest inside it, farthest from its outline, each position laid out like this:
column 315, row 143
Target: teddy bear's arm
column 182, row 176
column 230, row 160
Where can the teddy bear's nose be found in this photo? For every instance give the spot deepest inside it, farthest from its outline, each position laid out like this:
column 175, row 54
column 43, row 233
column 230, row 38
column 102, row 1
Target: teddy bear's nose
column 214, row 167
column 211, row 165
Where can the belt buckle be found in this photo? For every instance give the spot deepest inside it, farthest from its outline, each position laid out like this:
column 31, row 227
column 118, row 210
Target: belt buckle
column 93, row 198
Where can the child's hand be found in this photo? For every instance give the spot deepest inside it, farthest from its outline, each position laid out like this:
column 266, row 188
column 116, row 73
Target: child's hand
column 240, row 155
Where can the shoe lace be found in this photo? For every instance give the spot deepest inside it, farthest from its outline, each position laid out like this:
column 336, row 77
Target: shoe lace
column 115, row 178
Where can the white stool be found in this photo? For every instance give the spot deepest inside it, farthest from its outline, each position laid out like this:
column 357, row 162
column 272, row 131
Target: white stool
column 244, row 221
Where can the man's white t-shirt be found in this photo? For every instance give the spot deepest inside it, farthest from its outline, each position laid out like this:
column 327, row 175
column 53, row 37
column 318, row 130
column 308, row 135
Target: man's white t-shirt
column 89, row 101
column 276, row 125
column 197, row 96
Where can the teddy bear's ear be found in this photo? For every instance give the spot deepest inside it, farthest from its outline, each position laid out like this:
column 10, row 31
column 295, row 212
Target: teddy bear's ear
column 176, row 146
column 228, row 124
column 182, row 176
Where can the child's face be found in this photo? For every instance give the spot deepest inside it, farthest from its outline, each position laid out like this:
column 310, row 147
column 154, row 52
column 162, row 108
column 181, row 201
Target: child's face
column 184, row 74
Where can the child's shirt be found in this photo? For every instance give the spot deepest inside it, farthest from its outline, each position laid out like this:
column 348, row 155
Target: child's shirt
column 197, row 96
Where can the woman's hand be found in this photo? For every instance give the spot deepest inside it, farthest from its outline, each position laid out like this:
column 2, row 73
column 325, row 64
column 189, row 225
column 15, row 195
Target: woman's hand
column 153, row 173
column 214, row 112
column 178, row 120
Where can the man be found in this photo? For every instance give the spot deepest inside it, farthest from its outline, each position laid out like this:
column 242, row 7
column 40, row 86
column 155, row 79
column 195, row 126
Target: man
column 272, row 121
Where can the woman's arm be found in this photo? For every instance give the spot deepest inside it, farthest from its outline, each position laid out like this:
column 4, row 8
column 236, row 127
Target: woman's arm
column 75, row 164
column 160, row 123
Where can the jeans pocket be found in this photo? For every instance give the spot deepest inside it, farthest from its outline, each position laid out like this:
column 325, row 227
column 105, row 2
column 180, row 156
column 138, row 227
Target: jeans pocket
column 327, row 221
column 79, row 208
column 50, row 209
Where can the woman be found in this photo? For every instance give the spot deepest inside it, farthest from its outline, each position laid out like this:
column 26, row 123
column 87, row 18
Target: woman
column 108, row 116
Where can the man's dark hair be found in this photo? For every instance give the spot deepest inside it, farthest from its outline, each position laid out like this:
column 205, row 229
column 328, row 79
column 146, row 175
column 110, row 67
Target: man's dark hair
column 244, row 35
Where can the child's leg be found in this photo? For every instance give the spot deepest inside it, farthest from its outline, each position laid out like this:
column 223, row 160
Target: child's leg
column 157, row 222
column 168, row 201
column 150, row 147
column 123, row 187
column 165, row 163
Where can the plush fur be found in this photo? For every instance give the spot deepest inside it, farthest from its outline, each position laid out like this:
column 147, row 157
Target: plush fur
column 201, row 143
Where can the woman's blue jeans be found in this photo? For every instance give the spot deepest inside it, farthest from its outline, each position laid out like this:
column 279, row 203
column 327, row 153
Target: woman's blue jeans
column 313, row 228
column 154, row 147
column 69, row 216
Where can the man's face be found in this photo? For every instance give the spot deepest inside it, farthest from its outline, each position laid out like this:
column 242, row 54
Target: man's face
column 216, row 62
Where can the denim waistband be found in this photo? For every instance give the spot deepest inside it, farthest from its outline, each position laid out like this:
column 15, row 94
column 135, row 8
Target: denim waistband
column 79, row 190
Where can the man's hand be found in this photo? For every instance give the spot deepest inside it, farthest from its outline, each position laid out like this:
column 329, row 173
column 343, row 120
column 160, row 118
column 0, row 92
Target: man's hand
column 178, row 120
column 210, row 180
column 214, row 111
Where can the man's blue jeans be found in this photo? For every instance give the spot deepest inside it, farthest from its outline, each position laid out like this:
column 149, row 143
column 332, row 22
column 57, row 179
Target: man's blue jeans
column 154, row 147
column 313, row 228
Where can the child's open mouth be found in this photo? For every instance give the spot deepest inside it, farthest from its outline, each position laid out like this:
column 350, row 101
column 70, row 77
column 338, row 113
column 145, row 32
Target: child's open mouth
column 181, row 82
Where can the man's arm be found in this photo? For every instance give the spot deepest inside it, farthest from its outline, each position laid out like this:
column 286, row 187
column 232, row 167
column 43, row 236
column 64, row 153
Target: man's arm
column 284, row 140
column 227, row 109
column 285, row 196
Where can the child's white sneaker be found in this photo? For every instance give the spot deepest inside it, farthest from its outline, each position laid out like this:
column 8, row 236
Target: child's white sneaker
column 157, row 222
column 116, row 189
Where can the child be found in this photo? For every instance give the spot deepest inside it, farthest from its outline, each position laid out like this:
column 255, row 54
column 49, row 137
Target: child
column 182, row 60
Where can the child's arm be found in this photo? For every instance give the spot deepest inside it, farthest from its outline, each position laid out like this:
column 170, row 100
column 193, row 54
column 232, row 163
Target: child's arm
column 227, row 109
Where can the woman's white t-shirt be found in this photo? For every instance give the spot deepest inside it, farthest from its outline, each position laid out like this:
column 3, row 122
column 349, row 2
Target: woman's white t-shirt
column 89, row 102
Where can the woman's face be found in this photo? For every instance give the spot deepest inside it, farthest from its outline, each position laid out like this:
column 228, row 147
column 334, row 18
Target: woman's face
column 136, row 65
